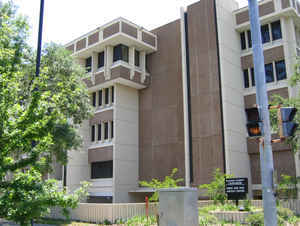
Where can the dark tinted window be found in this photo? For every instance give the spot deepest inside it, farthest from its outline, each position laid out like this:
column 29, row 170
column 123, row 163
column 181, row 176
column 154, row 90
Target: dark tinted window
column 243, row 40
column 102, row 169
column 99, row 131
column 265, row 34
column 105, row 130
column 106, row 95
column 100, row 59
column 249, row 39
column 94, row 99
column 276, row 30
column 121, row 53
column 100, row 97
column 280, row 70
column 88, row 64
column 136, row 58
column 112, row 94
column 269, row 73
column 252, row 76
column 246, row 79
column 93, row 133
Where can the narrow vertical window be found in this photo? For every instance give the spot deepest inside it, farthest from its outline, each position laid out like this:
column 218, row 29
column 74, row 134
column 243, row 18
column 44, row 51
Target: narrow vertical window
column 276, row 30
column 94, row 99
column 105, row 130
column 136, row 58
column 100, row 97
column 112, row 129
column 121, row 52
column 246, row 78
column 100, row 59
column 265, row 34
column 269, row 73
column 99, row 131
column 106, row 95
column 112, row 94
column 249, row 39
column 252, row 76
column 243, row 40
column 88, row 64
column 93, row 133
column 280, row 70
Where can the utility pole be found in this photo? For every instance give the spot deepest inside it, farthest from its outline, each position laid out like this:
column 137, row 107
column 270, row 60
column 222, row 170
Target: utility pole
column 265, row 148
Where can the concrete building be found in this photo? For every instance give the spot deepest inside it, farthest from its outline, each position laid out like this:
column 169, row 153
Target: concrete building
column 175, row 97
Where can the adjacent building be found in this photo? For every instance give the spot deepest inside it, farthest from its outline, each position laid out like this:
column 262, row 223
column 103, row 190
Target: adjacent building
column 175, row 97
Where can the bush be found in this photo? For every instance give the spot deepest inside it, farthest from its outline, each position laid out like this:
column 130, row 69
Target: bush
column 205, row 218
column 216, row 189
column 141, row 221
column 257, row 219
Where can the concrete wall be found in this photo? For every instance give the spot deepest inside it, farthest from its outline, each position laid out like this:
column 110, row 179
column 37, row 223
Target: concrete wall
column 126, row 143
column 78, row 168
column 237, row 159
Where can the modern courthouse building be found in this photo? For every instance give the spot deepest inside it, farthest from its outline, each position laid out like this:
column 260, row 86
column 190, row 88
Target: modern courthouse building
column 175, row 97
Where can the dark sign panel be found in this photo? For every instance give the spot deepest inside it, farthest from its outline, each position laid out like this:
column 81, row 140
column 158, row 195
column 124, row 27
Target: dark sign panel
column 236, row 188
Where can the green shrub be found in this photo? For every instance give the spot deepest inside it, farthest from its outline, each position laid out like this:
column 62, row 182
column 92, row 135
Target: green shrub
column 247, row 205
column 205, row 218
column 168, row 182
column 256, row 219
column 216, row 189
column 141, row 221
column 284, row 213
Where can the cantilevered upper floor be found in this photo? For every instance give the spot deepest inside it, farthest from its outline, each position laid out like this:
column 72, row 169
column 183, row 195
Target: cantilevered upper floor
column 115, row 53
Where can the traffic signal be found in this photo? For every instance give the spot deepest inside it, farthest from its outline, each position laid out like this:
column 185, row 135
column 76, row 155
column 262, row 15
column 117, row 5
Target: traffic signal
column 286, row 126
column 253, row 124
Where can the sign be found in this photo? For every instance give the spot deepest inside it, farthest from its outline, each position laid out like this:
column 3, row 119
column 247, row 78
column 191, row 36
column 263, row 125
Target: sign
column 236, row 188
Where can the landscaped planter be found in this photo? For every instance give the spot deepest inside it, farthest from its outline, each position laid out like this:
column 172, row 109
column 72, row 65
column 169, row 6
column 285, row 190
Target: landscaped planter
column 232, row 216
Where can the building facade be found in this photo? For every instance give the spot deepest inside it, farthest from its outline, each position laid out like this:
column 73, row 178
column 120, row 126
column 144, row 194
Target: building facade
column 175, row 97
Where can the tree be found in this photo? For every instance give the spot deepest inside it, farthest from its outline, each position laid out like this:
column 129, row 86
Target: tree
column 39, row 121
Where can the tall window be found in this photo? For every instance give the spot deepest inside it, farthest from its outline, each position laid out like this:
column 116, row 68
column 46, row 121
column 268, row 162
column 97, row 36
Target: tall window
column 100, row 59
column 121, row 53
column 249, row 39
column 102, row 169
column 269, row 72
column 276, row 30
column 88, row 64
column 136, row 58
column 112, row 94
column 105, row 130
column 243, row 40
column 93, row 133
column 100, row 97
column 280, row 70
column 252, row 76
column 246, row 78
column 265, row 34
column 99, row 131
column 94, row 99
column 106, row 95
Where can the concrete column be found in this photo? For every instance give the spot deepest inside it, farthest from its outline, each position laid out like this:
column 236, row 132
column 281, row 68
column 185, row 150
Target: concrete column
column 102, row 131
column 178, row 207
column 108, row 61
column 131, row 61
column 143, row 64
column 94, row 62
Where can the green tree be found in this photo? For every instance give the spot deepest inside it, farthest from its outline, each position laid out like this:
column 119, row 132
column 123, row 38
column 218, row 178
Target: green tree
column 168, row 182
column 216, row 189
column 40, row 117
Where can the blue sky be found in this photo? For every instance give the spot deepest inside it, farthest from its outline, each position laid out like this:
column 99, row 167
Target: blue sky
column 65, row 20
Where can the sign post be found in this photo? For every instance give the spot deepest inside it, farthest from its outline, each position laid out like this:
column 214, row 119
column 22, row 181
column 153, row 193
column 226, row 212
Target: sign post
column 236, row 189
